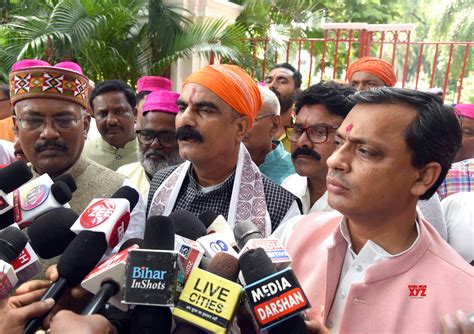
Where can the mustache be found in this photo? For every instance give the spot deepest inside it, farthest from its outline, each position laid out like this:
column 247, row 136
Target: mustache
column 338, row 176
column 186, row 132
column 305, row 151
column 154, row 152
column 41, row 146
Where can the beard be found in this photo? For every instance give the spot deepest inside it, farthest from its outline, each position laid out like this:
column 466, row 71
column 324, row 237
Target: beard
column 152, row 166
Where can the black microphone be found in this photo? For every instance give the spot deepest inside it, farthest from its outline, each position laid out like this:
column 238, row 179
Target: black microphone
column 11, row 178
column 68, row 179
column 130, row 243
column 50, row 234
column 159, row 235
column 77, row 261
column 275, row 297
column 188, row 225
column 61, row 192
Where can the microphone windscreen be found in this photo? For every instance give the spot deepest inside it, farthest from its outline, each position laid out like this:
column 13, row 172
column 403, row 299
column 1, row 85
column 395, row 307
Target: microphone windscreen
column 68, row 179
column 7, row 219
column 61, row 192
column 245, row 231
column 50, row 234
column 208, row 217
column 255, row 265
column 159, row 233
column 148, row 320
column 131, row 242
column 188, row 225
column 14, row 175
column 12, row 242
column 128, row 193
column 81, row 256
column 224, row 265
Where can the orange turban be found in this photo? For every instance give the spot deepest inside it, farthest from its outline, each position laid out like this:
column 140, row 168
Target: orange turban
column 379, row 67
column 233, row 85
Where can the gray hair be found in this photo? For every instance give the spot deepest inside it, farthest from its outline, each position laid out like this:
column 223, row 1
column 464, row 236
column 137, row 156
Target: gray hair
column 269, row 99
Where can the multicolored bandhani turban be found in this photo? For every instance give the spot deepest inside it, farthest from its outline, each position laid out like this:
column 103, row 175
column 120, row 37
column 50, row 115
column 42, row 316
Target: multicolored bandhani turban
column 152, row 83
column 47, row 81
column 379, row 67
column 161, row 101
column 465, row 110
column 233, row 85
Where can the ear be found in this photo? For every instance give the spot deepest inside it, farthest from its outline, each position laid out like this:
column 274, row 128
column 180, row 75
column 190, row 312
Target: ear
column 276, row 124
column 135, row 113
column 242, row 124
column 427, row 176
column 87, row 124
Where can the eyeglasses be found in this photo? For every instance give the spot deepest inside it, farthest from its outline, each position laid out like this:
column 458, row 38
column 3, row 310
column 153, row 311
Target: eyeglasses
column 38, row 123
column 263, row 116
column 317, row 134
column 165, row 138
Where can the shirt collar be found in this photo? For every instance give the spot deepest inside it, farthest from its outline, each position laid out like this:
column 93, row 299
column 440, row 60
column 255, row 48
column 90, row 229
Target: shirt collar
column 223, row 186
column 374, row 247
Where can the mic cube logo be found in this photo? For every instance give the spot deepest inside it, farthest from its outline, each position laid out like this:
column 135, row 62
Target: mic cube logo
column 219, row 246
column 417, row 290
column 34, row 197
column 97, row 213
column 22, row 259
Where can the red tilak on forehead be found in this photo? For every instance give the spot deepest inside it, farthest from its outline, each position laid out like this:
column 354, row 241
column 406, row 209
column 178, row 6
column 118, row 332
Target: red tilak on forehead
column 349, row 127
column 191, row 98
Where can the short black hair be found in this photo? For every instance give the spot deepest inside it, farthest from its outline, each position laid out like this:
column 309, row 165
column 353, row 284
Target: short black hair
column 142, row 95
column 433, row 136
column 5, row 90
column 297, row 77
column 113, row 86
column 333, row 96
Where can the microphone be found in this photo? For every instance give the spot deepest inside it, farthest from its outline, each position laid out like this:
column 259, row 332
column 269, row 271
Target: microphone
column 188, row 228
column 249, row 237
column 12, row 242
column 11, row 177
column 159, row 261
column 275, row 297
column 77, row 261
column 130, row 242
column 110, row 216
column 215, row 243
column 68, row 179
column 210, row 298
column 216, row 223
column 37, row 197
column 51, row 234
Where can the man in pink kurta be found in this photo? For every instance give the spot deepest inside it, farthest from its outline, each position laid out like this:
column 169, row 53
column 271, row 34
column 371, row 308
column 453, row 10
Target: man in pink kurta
column 374, row 266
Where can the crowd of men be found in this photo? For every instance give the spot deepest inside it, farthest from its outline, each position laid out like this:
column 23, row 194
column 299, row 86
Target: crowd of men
column 369, row 187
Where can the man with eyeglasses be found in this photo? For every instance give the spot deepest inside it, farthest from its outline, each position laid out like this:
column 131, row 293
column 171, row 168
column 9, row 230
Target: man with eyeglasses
column 320, row 110
column 156, row 134
column 113, row 104
column 52, row 123
column 269, row 155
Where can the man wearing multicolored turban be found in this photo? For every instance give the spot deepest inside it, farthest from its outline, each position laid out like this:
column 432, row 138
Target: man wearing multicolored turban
column 369, row 72
column 217, row 106
column 52, row 124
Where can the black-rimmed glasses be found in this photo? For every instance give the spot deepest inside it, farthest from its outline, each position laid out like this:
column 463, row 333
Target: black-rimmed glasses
column 165, row 138
column 317, row 134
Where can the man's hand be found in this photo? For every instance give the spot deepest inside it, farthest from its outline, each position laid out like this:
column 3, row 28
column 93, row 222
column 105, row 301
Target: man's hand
column 72, row 323
column 16, row 310
column 457, row 323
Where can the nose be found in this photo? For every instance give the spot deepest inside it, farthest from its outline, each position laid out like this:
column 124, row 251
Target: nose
column 49, row 131
column 304, row 141
column 360, row 87
column 339, row 159
column 185, row 118
column 155, row 144
column 111, row 119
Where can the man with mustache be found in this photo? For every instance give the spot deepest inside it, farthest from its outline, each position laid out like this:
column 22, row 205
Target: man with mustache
column 113, row 103
column 320, row 110
column 156, row 134
column 375, row 265
column 52, row 123
column 285, row 81
column 269, row 155
column 217, row 106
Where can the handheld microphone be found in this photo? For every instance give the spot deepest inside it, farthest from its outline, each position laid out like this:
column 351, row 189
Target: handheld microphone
column 210, row 298
column 188, row 228
column 51, row 234
column 110, row 216
column 12, row 242
column 37, row 197
column 215, row 243
column 159, row 235
column 216, row 223
column 68, row 179
column 77, row 261
column 249, row 237
column 275, row 297
column 12, row 177
column 130, row 242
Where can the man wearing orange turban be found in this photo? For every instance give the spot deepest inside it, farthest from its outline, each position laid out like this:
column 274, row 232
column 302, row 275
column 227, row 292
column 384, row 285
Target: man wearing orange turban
column 217, row 106
column 369, row 72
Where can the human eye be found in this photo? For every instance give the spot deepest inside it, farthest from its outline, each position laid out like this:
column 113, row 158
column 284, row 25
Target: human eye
column 319, row 131
column 338, row 142
column 366, row 153
column 65, row 122
column 298, row 130
column 33, row 122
